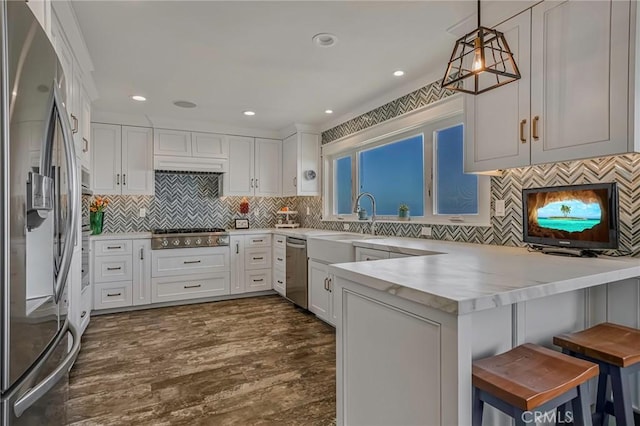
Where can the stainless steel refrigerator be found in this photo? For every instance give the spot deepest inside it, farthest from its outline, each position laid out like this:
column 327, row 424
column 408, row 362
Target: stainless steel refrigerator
column 38, row 221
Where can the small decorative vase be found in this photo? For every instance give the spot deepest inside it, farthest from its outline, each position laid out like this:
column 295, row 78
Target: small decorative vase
column 403, row 214
column 96, row 221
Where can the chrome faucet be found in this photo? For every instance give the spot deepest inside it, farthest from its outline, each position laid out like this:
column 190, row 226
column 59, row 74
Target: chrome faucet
column 356, row 207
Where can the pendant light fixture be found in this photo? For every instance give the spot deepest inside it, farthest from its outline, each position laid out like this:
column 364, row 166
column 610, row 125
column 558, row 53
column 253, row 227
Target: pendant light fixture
column 481, row 61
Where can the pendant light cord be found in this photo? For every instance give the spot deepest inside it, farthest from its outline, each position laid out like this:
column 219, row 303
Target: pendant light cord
column 478, row 13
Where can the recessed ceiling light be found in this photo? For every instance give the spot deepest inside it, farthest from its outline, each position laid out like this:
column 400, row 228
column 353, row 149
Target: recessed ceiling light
column 398, row 73
column 328, row 111
column 138, row 98
column 184, row 104
column 249, row 113
column 324, row 39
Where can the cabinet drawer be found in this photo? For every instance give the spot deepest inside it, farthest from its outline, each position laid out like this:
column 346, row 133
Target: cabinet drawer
column 113, row 247
column 364, row 255
column 279, row 258
column 257, row 240
column 167, row 263
column 112, row 295
column 280, row 241
column 257, row 258
column 112, row 268
column 257, row 280
column 279, row 282
column 181, row 288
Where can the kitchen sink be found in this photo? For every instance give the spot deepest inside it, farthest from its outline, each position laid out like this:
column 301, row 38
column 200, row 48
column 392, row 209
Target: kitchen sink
column 335, row 248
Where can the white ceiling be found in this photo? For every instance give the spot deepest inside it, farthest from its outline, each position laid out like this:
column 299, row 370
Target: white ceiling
column 228, row 57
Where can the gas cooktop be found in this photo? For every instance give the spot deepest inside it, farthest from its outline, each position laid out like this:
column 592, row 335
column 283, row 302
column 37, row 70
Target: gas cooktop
column 172, row 238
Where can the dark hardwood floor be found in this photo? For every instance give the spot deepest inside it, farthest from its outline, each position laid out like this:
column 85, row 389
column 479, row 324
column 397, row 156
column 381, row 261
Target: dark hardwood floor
column 248, row 361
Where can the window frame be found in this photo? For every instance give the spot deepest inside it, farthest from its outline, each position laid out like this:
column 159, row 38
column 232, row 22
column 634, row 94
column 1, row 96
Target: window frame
column 428, row 129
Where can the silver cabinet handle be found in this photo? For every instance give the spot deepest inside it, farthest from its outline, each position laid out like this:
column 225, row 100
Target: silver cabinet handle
column 330, row 284
column 141, row 253
column 258, row 258
column 37, row 391
column 259, row 280
column 280, row 259
column 83, row 314
column 280, row 282
column 75, row 124
column 113, row 247
column 257, row 241
column 187, row 262
column 237, row 248
column 193, row 286
column 118, row 179
column 124, row 179
column 295, row 181
column 256, row 183
column 326, row 284
column 85, row 145
column 113, row 294
column 252, row 183
column 114, row 269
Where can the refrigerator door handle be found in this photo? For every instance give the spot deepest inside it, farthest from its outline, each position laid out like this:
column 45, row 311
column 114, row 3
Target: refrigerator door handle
column 36, row 392
column 73, row 199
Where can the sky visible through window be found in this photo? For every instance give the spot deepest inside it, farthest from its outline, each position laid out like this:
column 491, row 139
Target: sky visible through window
column 394, row 174
column 456, row 192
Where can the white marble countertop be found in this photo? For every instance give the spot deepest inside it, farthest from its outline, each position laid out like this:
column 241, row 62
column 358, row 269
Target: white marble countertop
column 121, row 236
column 463, row 278
column 303, row 233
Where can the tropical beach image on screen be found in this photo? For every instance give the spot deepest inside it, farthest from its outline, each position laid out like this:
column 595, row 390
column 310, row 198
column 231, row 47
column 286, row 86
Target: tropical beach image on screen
column 569, row 215
column 572, row 214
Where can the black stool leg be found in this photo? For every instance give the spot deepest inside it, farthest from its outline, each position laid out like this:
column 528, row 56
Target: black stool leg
column 621, row 397
column 581, row 407
column 601, row 400
column 478, row 407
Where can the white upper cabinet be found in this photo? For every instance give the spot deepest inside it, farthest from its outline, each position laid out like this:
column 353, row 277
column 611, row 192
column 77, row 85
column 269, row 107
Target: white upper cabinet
column 106, row 153
column 579, row 80
column 301, row 165
column 85, row 128
column 42, row 11
column 209, row 145
column 137, row 161
column 497, row 121
column 239, row 180
column 122, row 159
column 173, row 143
column 255, row 167
column 268, row 168
column 574, row 60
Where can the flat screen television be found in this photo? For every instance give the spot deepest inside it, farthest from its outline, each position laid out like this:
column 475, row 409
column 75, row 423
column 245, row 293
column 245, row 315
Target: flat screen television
column 575, row 216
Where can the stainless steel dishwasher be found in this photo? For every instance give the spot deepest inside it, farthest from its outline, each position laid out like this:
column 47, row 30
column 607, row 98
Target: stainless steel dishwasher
column 296, row 277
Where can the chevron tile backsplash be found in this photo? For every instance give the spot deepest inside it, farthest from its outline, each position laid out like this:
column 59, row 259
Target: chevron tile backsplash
column 186, row 201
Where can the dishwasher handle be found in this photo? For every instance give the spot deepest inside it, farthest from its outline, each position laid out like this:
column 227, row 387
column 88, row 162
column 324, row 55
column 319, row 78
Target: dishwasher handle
column 296, row 243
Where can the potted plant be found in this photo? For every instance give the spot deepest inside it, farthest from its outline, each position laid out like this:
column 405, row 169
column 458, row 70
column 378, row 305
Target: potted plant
column 403, row 212
column 96, row 214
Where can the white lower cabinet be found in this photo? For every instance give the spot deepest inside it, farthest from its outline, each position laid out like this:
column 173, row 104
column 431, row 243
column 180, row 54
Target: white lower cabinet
column 279, row 264
column 321, row 292
column 250, row 263
column 190, row 273
column 121, row 274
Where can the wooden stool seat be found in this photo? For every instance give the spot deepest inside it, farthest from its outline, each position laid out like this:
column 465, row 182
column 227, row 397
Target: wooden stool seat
column 529, row 375
column 612, row 343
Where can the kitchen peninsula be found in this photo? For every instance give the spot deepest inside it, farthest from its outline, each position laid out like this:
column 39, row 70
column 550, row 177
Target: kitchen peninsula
column 408, row 328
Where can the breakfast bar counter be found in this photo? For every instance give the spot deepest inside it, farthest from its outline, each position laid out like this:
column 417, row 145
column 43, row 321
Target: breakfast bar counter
column 409, row 328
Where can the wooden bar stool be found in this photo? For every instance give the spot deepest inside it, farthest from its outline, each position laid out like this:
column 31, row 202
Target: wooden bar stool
column 616, row 349
column 530, row 379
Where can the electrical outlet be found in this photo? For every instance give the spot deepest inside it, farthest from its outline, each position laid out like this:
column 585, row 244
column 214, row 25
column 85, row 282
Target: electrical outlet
column 425, row 231
column 143, row 212
column 500, row 209
column 345, row 226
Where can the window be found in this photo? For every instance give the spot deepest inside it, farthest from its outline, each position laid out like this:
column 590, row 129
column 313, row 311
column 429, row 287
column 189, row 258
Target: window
column 394, row 174
column 422, row 168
